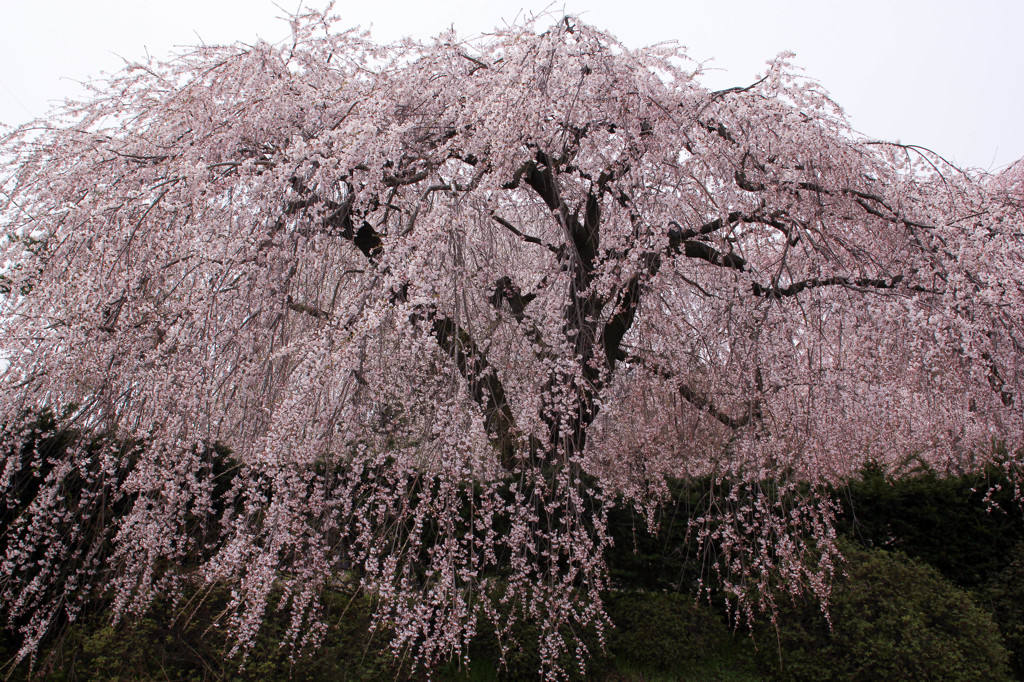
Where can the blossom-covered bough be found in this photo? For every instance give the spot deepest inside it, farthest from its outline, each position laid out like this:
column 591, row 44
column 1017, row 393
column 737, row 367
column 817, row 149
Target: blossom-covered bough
column 417, row 315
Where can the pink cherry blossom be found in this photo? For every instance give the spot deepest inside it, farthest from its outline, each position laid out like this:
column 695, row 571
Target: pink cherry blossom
column 447, row 302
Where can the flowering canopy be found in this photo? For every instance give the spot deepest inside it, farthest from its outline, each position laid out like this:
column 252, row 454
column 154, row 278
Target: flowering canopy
column 444, row 303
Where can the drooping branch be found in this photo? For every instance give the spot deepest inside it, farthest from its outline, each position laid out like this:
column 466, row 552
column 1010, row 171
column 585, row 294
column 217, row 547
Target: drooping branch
column 525, row 237
column 995, row 380
column 485, row 387
column 871, row 203
column 706, row 405
column 814, row 283
column 700, row 401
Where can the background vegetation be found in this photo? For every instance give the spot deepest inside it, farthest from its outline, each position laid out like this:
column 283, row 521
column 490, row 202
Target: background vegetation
column 933, row 588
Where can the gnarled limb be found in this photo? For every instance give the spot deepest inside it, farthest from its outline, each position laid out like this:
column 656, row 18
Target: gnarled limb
column 484, row 384
column 700, row 401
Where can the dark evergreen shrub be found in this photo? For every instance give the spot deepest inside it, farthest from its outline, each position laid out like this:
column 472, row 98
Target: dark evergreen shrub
column 966, row 526
column 1004, row 597
column 893, row 619
column 663, row 633
column 185, row 645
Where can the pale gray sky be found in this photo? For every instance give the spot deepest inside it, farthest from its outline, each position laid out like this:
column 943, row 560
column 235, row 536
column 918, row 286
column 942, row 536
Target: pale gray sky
column 946, row 74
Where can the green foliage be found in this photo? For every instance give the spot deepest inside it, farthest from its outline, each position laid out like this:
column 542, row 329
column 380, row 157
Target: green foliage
column 522, row 659
column 666, row 635
column 944, row 521
column 642, row 560
column 656, row 636
column 670, row 558
column 893, row 619
column 1004, row 596
column 160, row 647
column 663, row 630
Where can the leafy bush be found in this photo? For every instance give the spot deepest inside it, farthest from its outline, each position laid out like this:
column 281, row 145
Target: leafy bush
column 656, row 635
column 664, row 634
column 161, row 647
column 944, row 521
column 893, row 619
column 1004, row 596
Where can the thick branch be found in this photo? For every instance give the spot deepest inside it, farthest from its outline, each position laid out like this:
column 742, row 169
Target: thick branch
column 677, row 232
column 506, row 290
column 406, row 178
column 701, row 402
column 584, row 237
column 681, row 241
column 484, row 386
column 307, row 309
column 525, row 237
column 364, row 237
column 813, row 283
column 718, row 94
column 704, row 251
column 621, row 320
column 995, row 380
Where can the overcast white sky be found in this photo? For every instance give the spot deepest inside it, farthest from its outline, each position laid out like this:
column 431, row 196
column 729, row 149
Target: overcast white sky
column 946, row 74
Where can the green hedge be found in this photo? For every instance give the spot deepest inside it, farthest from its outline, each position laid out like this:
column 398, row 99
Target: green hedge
column 944, row 521
column 894, row 616
column 892, row 619
column 161, row 647
column 671, row 636
column 1004, row 597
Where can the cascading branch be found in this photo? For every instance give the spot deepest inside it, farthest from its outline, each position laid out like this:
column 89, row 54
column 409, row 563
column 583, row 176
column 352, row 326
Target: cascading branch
column 418, row 315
